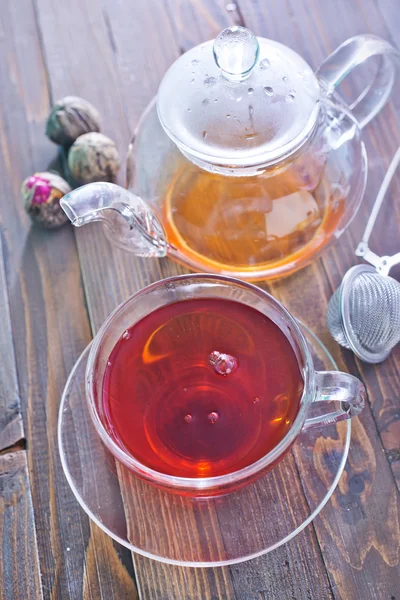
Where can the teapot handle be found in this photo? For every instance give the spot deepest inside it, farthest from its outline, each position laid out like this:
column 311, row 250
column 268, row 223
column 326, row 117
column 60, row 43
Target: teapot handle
column 349, row 55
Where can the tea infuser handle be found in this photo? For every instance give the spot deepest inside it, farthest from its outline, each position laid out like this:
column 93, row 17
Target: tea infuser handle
column 383, row 264
column 349, row 55
column 343, row 388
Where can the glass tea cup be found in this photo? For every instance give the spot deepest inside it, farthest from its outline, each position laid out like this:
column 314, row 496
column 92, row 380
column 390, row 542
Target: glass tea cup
column 319, row 387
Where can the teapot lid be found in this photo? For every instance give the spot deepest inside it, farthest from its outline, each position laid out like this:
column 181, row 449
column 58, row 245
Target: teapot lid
column 238, row 100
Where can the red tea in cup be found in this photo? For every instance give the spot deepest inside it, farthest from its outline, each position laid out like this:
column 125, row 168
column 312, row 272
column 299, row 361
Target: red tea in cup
column 201, row 387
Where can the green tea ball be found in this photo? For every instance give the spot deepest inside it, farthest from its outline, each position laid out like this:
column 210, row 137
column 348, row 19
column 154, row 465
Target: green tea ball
column 41, row 195
column 70, row 118
column 93, row 157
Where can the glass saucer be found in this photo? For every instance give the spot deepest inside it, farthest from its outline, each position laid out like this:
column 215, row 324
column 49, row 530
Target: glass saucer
column 200, row 532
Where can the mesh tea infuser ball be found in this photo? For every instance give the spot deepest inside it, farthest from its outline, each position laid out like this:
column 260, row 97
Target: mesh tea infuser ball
column 364, row 312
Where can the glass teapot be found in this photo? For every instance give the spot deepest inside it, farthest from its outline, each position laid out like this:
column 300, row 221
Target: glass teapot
column 247, row 163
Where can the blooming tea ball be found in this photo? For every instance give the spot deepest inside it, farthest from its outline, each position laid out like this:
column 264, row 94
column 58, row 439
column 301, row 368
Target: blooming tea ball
column 70, row 118
column 41, row 194
column 93, row 157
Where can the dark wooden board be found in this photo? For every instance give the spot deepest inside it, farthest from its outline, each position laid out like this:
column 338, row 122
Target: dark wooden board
column 122, row 34
column 11, row 426
column 360, row 558
column 19, row 563
column 50, row 326
column 114, row 53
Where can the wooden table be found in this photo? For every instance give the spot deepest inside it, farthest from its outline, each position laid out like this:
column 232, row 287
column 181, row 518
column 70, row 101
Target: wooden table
column 57, row 287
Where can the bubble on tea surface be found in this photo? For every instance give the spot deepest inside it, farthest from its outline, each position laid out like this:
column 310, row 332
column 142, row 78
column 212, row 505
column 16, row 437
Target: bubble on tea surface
column 223, row 364
column 213, row 417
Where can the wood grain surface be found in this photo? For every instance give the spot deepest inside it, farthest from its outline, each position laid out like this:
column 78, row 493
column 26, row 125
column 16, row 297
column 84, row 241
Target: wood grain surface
column 19, row 564
column 11, row 426
column 114, row 53
column 50, row 327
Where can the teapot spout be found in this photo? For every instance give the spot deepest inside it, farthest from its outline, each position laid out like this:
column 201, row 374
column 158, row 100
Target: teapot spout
column 88, row 203
column 130, row 223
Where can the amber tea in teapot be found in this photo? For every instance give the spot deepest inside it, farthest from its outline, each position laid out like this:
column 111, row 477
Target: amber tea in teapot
column 258, row 223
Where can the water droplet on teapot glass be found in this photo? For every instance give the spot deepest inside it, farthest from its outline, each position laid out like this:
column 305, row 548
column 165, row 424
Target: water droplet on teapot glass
column 204, row 134
column 195, row 62
column 210, row 81
column 256, row 400
column 188, row 418
column 213, row 417
column 265, row 64
column 268, row 90
column 126, row 335
column 192, row 81
column 285, row 79
column 291, row 96
column 250, row 91
column 228, row 116
column 239, row 99
column 205, row 102
column 230, row 7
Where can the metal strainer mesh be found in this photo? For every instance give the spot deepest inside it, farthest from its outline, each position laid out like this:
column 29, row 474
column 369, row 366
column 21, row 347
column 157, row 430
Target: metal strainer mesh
column 374, row 306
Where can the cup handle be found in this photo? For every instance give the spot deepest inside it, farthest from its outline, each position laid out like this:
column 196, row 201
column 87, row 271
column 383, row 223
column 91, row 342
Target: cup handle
column 340, row 387
column 349, row 55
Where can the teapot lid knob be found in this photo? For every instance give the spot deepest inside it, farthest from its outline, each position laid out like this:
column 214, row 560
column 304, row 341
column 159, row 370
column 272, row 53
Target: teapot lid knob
column 236, row 51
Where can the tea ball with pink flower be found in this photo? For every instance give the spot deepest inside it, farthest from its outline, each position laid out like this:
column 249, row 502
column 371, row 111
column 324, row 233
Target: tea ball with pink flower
column 41, row 194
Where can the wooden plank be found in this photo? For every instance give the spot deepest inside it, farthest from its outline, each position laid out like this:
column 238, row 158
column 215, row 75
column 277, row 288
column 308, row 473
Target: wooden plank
column 50, row 325
column 359, row 555
column 129, row 36
column 19, row 564
column 11, row 426
column 108, row 281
